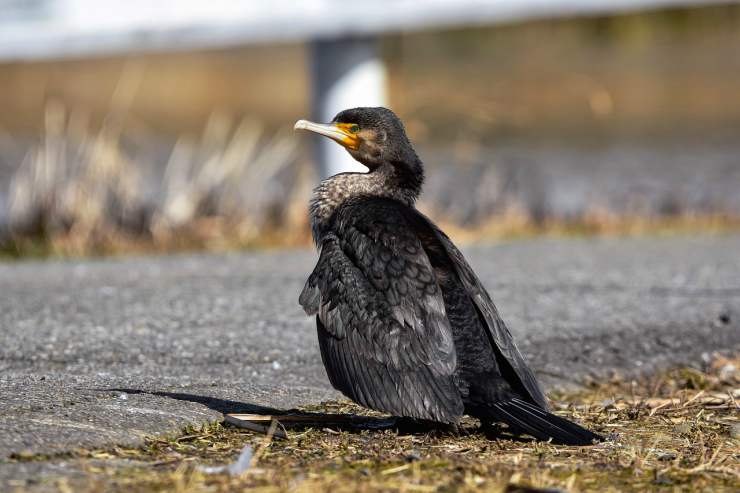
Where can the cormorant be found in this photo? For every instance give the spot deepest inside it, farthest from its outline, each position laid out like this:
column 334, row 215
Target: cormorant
column 404, row 324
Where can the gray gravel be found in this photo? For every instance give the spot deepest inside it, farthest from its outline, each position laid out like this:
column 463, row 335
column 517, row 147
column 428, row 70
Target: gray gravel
column 106, row 351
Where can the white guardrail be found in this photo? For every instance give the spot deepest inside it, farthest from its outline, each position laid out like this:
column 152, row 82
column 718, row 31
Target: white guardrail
column 33, row 29
column 346, row 70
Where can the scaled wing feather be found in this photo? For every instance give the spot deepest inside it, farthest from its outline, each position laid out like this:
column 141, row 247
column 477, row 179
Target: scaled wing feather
column 383, row 332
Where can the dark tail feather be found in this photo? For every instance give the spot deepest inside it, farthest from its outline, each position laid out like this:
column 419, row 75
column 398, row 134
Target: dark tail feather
column 542, row 425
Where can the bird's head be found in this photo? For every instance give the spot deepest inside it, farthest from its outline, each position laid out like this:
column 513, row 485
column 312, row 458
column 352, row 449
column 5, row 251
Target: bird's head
column 373, row 136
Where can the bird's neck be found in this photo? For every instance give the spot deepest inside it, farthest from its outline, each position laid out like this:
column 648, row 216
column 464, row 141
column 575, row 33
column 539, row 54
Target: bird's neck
column 386, row 181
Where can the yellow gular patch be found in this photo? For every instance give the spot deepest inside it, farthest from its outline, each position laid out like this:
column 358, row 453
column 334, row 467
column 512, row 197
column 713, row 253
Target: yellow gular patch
column 351, row 137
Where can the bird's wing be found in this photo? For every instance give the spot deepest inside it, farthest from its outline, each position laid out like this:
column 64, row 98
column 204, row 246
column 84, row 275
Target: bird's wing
column 499, row 333
column 384, row 334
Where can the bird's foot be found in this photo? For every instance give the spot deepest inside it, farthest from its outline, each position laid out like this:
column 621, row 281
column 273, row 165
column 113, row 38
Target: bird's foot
column 491, row 429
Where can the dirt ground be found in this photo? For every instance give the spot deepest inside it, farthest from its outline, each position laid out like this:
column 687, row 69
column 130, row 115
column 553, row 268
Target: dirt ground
column 678, row 431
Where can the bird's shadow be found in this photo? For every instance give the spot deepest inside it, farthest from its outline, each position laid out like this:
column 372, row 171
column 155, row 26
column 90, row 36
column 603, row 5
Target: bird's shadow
column 220, row 405
column 352, row 423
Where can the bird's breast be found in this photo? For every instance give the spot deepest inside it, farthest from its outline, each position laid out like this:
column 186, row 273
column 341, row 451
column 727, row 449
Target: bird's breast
column 334, row 192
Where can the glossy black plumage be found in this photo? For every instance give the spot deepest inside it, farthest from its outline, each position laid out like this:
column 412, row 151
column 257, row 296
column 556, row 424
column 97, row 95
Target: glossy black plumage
column 404, row 324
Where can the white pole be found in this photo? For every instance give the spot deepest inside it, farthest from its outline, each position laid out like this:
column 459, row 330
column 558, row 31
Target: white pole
column 346, row 73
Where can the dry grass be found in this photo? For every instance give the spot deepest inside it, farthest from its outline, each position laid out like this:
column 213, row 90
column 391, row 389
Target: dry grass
column 85, row 190
column 519, row 224
column 664, row 76
column 672, row 433
column 81, row 191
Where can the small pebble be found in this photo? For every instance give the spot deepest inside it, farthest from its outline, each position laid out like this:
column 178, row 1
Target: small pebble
column 683, row 428
column 123, row 397
column 727, row 372
column 413, row 455
column 25, row 454
column 607, row 403
column 667, row 456
column 663, row 481
column 735, row 431
column 276, row 365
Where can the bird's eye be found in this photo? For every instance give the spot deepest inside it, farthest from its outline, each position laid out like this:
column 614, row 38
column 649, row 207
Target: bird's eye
column 354, row 129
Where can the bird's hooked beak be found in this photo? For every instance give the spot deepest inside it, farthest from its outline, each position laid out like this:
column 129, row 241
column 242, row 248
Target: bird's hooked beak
column 344, row 134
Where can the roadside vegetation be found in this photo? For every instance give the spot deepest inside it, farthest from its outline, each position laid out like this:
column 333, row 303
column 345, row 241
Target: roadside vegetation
column 81, row 192
column 678, row 431
column 118, row 154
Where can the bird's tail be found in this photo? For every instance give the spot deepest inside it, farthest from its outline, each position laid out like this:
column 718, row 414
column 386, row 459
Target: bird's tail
column 528, row 418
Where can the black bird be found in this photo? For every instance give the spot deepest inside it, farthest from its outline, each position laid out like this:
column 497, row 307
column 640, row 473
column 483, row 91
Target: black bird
column 404, row 325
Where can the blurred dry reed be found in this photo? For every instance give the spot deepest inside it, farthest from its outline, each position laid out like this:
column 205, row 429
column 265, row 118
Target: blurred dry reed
column 99, row 188
column 80, row 191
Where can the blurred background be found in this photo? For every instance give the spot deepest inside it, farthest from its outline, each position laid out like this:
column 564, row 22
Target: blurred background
column 157, row 126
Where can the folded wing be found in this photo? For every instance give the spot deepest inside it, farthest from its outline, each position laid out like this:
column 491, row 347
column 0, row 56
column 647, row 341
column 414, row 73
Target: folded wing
column 510, row 360
column 384, row 336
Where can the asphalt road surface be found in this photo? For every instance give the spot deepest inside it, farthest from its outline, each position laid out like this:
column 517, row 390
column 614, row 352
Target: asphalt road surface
column 99, row 352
